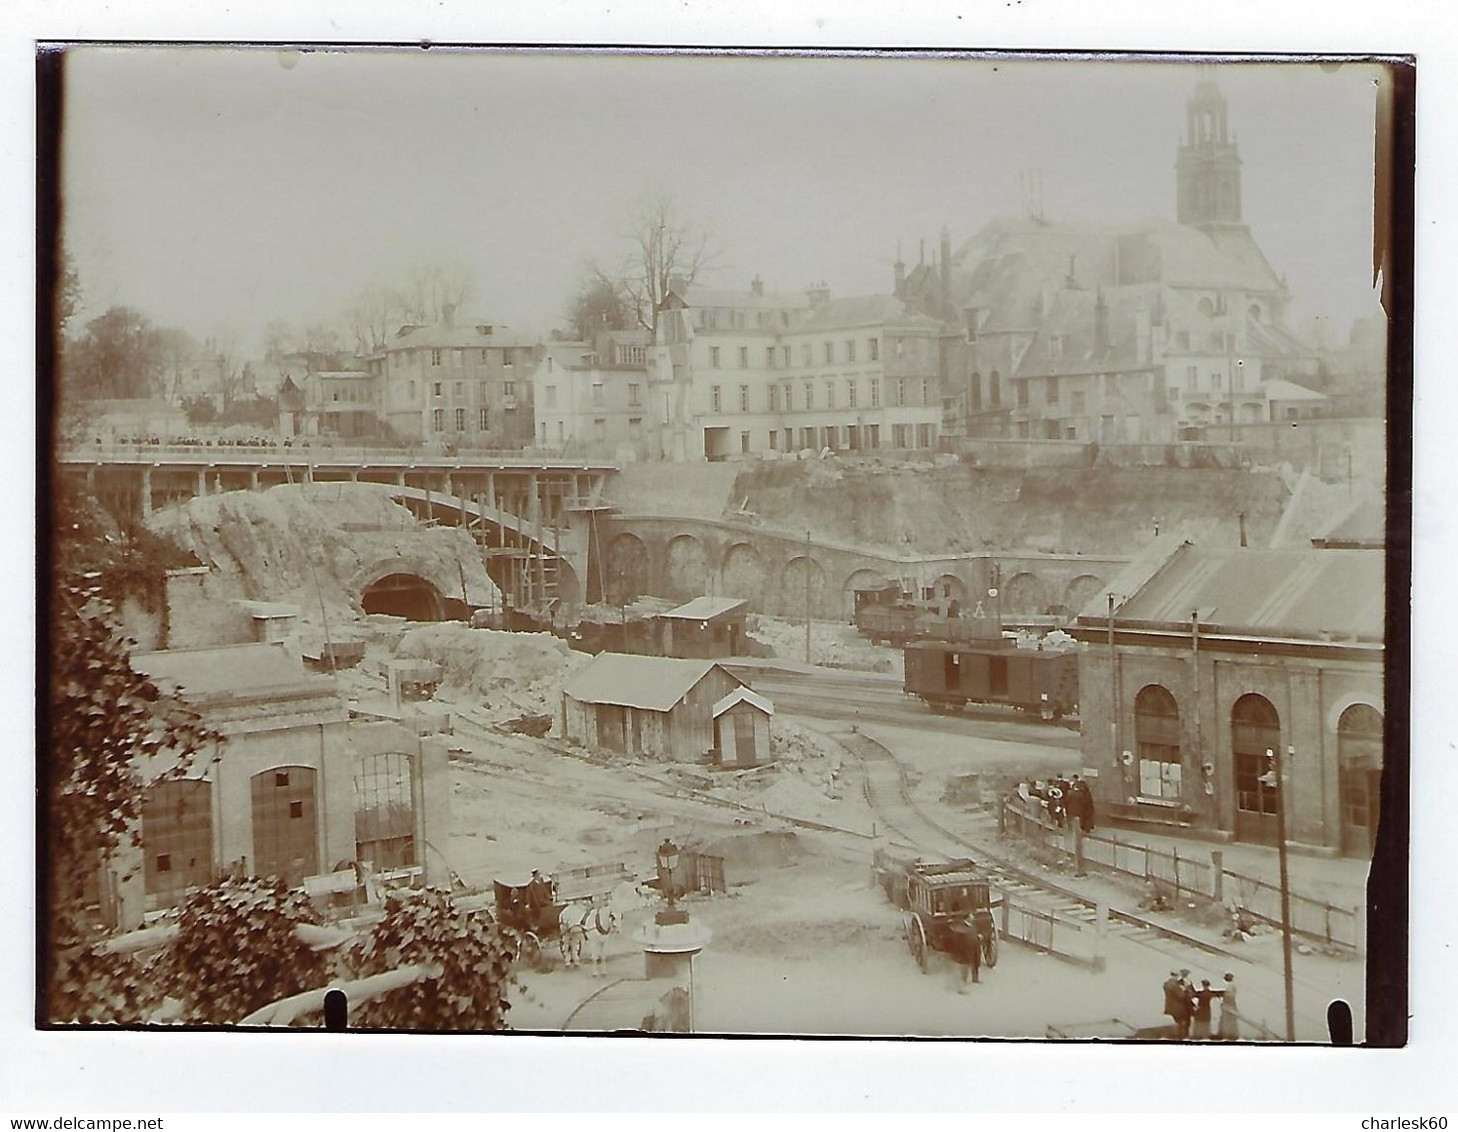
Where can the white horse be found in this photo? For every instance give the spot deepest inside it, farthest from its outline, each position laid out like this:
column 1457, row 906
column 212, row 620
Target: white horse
column 572, row 931
column 600, row 926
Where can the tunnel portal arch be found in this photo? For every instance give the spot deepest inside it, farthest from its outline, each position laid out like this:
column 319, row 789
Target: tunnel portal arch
column 404, row 595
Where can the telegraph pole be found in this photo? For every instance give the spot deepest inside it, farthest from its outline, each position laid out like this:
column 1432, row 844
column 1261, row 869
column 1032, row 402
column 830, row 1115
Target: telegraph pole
column 807, row 595
column 1277, row 779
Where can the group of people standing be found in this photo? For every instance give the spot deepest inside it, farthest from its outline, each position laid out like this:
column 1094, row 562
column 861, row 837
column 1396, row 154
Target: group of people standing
column 1189, row 1006
column 1066, row 799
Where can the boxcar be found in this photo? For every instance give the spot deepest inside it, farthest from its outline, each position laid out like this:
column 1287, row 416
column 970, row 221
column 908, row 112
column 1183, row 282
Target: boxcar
column 949, row 676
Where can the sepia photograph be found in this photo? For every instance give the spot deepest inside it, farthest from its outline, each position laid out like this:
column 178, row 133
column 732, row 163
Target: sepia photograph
column 588, row 542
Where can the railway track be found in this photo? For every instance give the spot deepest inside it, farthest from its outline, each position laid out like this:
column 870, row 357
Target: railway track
column 887, row 793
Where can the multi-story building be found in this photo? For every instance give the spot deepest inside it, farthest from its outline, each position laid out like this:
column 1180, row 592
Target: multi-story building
column 592, row 398
column 1149, row 332
column 749, row 373
column 467, row 384
column 343, row 403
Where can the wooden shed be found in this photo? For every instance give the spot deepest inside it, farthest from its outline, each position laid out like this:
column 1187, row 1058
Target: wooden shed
column 658, row 706
column 742, row 728
column 706, row 627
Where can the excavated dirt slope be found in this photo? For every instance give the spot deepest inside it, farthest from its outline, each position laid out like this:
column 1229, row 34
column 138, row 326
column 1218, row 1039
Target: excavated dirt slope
column 960, row 507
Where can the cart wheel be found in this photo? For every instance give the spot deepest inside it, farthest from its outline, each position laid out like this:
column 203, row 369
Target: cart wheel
column 916, row 941
column 531, row 950
column 989, row 949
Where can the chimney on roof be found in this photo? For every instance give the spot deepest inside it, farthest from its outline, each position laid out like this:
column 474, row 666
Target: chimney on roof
column 947, row 312
column 1071, row 282
column 1101, row 324
column 448, row 314
column 818, row 294
column 757, row 285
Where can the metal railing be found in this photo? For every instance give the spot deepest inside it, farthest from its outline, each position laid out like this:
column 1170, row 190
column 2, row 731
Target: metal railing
column 1188, row 875
column 316, row 453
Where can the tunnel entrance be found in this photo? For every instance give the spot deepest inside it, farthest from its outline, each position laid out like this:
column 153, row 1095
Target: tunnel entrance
column 405, row 595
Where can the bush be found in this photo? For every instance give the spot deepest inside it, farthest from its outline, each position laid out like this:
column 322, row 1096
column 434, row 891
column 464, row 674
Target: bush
column 425, row 927
column 237, row 951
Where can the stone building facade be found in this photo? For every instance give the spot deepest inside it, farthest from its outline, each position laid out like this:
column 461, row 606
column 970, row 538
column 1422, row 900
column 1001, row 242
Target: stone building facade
column 1223, row 667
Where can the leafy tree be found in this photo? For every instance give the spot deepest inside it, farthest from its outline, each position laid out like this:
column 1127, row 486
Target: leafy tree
column 200, row 410
column 601, row 303
column 107, row 731
column 424, row 926
column 237, row 950
column 119, row 355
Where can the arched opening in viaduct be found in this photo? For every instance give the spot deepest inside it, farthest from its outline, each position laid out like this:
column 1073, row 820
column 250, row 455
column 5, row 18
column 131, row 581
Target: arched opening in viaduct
column 627, row 569
column 685, row 568
column 1079, row 592
column 409, row 596
column 1025, row 595
column 860, row 580
column 793, row 587
column 744, row 575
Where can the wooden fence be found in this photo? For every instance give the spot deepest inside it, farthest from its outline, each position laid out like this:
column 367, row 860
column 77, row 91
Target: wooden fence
column 1203, row 876
column 1063, row 936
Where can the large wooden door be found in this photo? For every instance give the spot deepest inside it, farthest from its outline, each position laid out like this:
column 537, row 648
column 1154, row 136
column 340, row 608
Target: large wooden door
column 285, row 824
column 1359, row 761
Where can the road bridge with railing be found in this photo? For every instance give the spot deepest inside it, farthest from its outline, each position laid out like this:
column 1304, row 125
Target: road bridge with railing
column 140, row 477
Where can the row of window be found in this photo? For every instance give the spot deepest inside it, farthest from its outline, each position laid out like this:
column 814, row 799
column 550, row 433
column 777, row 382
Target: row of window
column 599, row 429
column 458, row 419
column 458, row 391
column 597, row 395
column 784, row 394
column 781, row 357
column 852, row 438
column 457, row 358
column 1217, row 379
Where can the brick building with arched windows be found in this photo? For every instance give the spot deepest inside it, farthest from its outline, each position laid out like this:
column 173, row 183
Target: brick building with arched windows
column 1214, row 669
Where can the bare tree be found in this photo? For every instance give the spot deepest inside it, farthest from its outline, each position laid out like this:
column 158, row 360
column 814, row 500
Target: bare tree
column 371, row 313
column 432, row 287
column 226, row 354
column 666, row 247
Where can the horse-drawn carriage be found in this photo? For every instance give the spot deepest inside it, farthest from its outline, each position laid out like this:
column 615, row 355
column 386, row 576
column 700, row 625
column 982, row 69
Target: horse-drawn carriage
column 941, row 901
column 572, row 908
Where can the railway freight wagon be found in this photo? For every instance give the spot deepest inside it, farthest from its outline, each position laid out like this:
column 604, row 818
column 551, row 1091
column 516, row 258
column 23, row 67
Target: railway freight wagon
column 948, row 676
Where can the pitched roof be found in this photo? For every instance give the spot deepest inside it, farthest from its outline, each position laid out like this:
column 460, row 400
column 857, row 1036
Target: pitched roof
column 697, row 296
column 457, row 336
column 1310, row 594
column 705, row 608
column 231, row 669
column 1278, row 389
column 746, row 696
column 864, row 310
column 654, row 683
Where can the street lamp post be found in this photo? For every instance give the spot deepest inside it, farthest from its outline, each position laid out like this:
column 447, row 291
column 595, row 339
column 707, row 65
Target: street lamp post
column 668, row 857
column 1272, row 777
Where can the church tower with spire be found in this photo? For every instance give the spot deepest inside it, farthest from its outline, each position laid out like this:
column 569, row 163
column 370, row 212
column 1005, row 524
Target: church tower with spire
column 1207, row 170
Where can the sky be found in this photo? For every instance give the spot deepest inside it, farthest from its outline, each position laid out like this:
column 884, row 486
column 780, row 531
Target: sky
column 221, row 189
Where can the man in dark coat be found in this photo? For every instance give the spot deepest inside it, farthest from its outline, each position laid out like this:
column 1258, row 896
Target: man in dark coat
column 1176, row 1004
column 1082, row 807
column 968, row 952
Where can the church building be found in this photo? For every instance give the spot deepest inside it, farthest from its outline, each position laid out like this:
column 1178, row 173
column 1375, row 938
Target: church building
column 1142, row 333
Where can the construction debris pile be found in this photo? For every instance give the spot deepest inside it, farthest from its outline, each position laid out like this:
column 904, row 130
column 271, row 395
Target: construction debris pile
column 833, row 644
column 505, row 676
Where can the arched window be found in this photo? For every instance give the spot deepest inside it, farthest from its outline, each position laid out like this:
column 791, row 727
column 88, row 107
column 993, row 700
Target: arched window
column 177, row 838
column 1157, row 735
column 1255, row 737
column 285, row 817
column 994, row 389
column 1359, row 763
column 976, row 392
column 384, row 811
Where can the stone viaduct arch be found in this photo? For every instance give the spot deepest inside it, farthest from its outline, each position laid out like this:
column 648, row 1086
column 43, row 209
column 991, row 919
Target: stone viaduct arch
column 686, row 570
column 744, row 574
